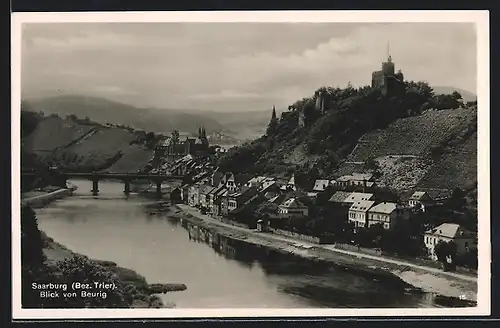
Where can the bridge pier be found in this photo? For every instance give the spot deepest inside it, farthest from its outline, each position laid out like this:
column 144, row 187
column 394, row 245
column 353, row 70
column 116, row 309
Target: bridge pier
column 95, row 187
column 158, row 189
column 126, row 190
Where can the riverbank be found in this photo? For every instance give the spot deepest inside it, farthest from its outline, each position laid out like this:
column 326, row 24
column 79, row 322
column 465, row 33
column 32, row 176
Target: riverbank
column 142, row 294
column 447, row 284
column 39, row 199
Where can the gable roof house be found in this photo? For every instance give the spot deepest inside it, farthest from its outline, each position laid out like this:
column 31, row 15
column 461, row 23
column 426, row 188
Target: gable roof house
column 292, row 207
column 257, row 181
column 447, row 232
column 193, row 195
column 321, row 185
column 270, row 190
column 237, row 199
column 358, row 213
column 291, row 183
column 365, row 180
column 235, row 182
column 420, row 200
column 357, row 197
column 203, row 195
column 339, row 198
column 216, row 199
column 387, row 214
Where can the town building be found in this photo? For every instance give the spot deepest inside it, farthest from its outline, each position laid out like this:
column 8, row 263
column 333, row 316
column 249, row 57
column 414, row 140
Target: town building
column 215, row 200
column 339, row 198
column 193, row 195
column 236, row 199
column 204, row 191
column 259, row 182
column 386, row 214
column 290, row 184
column 355, row 197
column 448, row 232
column 270, row 190
column 175, row 149
column 292, row 208
column 358, row 213
column 235, row 182
column 420, row 200
column 185, row 193
column 365, row 180
column 321, row 185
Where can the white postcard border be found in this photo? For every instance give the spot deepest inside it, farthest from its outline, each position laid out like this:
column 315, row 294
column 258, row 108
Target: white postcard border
column 480, row 18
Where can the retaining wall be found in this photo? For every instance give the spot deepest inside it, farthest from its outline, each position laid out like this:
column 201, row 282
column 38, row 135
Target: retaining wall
column 310, row 239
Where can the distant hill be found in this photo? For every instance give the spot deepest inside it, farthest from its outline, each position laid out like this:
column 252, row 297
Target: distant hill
column 466, row 95
column 242, row 125
column 103, row 111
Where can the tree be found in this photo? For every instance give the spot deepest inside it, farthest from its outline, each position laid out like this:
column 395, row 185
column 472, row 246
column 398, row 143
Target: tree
column 456, row 95
column 446, row 253
column 457, row 200
column 81, row 269
column 446, row 101
column 375, row 234
column 32, row 259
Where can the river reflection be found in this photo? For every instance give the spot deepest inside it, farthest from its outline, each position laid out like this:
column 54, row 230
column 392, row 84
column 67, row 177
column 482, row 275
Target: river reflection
column 143, row 234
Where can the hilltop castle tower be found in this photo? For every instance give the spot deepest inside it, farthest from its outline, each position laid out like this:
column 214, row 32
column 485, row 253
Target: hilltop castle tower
column 390, row 83
column 320, row 102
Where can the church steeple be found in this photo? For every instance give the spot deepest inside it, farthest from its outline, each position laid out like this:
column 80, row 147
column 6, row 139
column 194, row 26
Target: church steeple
column 273, row 116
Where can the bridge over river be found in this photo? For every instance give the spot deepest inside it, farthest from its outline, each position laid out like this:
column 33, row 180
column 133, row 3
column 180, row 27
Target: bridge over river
column 126, row 178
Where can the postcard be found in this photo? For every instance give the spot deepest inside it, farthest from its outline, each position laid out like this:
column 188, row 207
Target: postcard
column 250, row 164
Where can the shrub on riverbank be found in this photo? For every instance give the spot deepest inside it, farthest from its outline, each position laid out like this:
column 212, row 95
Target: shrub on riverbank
column 131, row 289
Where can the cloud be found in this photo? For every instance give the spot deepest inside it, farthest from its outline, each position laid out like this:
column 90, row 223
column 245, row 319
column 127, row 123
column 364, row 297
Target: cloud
column 227, row 94
column 234, row 65
column 108, row 90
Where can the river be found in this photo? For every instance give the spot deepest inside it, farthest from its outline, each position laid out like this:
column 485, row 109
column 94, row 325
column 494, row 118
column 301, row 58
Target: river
column 132, row 232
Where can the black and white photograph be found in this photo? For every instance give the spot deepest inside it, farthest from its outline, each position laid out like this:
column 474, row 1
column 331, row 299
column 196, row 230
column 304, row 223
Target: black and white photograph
column 252, row 164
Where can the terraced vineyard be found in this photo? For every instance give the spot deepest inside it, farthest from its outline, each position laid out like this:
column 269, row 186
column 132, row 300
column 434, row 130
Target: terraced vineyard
column 457, row 167
column 414, row 135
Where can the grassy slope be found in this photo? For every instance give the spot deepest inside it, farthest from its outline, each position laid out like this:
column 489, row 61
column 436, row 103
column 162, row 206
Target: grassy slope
column 53, row 132
column 134, row 158
column 97, row 147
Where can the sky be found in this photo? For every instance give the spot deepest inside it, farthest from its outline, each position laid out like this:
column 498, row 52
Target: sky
column 235, row 66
